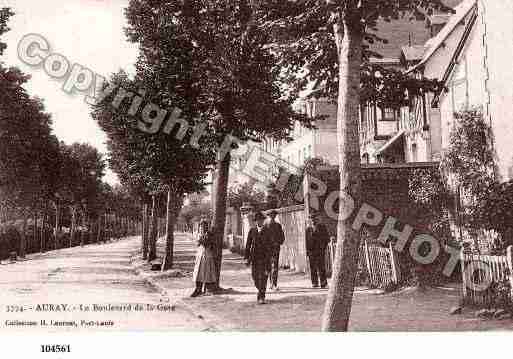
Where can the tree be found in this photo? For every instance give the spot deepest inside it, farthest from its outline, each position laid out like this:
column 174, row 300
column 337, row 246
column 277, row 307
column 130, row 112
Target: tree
column 174, row 167
column 196, row 211
column 229, row 75
column 246, row 192
column 292, row 192
column 326, row 42
column 497, row 209
column 28, row 150
column 5, row 14
column 82, row 172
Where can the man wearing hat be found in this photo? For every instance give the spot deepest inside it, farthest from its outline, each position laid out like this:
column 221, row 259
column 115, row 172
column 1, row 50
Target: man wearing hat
column 258, row 255
column 317, row 239
column 277, row 239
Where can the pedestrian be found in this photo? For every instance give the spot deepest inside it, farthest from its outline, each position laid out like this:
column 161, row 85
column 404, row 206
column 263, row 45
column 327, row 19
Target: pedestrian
column 204, row 275
column 258, row 255
column 277, row 239
column 317, row 239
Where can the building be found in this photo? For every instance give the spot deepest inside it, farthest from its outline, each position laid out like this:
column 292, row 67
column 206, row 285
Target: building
column 383, row 132
column 380, row 130
column 471, row 55
column 308, row 143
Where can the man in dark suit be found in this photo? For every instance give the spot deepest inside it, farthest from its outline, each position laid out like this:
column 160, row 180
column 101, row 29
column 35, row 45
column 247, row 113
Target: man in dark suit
column 317, row 239
column 277, row 239
column 258, row 255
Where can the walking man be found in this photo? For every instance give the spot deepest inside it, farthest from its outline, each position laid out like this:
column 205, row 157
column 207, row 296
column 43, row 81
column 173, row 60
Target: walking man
column 258, row 255
column 317, row 239
column 277, row 239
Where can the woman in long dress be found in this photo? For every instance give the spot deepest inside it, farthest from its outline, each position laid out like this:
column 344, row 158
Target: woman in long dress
column 204, row 274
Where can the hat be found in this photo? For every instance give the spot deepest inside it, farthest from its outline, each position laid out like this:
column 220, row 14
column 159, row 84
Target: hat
column 259, row 215
column 273, row 213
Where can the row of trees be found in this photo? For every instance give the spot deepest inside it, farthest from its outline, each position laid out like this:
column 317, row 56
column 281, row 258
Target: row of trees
column 210, row 60
column 223, row 63
column 235, row 68
column 43, row 178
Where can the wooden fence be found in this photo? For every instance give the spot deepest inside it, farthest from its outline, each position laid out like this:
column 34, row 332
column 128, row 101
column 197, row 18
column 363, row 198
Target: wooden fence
column 378, row 264
column 482, row 275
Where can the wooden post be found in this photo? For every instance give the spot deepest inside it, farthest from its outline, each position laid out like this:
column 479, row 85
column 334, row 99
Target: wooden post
column 463, row 277
column 509, row 258
column 395, row 267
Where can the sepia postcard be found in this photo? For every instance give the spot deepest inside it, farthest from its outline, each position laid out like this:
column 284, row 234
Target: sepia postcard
column 254, row 166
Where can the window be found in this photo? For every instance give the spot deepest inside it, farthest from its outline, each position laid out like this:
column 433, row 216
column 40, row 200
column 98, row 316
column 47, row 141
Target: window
column 388, row 114
column 309, row 151
column 298, row 157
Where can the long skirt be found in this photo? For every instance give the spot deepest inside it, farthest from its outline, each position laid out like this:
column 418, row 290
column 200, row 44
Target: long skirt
column 205, row 266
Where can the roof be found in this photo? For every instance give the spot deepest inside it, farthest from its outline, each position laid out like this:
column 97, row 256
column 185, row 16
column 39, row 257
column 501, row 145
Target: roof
column 412, row 53
column 402, row 31
column 462, row 10
column 439, row 19
column 398, row 33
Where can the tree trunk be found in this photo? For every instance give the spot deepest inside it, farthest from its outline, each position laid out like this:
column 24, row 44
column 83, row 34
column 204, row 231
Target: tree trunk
column 34, row 231
column 144, row 231
column 83, row 232
column 23, row 237
column 106, row 227
column 99, row 236
column 57, row 223
column 152, row 242
column 174, row 204
column 338, row 304
column 43, row 232
column 219, row 220
column 113, row 226
column 73, row 225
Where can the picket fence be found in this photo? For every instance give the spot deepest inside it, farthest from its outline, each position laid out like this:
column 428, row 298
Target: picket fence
column 378, row 264
column 481, row 274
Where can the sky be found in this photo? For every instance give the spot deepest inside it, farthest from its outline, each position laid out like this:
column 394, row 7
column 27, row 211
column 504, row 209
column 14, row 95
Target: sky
column 87, row 32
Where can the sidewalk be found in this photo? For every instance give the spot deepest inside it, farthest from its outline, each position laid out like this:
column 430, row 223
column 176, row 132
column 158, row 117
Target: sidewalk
column 298, row 307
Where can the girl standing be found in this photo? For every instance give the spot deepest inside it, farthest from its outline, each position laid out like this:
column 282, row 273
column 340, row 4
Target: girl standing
column 204, row 274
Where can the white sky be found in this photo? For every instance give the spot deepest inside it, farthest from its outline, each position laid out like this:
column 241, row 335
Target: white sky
column 88, row 32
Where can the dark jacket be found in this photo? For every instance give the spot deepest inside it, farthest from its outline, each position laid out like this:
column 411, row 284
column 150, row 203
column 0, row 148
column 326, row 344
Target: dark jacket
column 317, row 239
column 276, row 233
column 259, row 247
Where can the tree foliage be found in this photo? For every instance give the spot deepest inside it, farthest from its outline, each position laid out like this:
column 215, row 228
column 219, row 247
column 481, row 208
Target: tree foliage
column 470, row 159
column 215, row 58
column 37, row 170
column 306, row 42
column 246, row 192
column 292, row 192
column 498, row 212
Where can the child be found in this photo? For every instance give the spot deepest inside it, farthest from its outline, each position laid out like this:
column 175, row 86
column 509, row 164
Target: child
column 204, row 268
